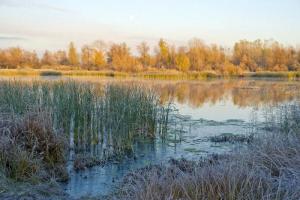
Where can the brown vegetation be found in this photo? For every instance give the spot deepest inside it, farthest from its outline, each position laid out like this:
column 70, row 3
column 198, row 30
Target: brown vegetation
column 30, row 149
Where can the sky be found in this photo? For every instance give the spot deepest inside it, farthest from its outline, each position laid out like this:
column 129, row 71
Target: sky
column 52, row 24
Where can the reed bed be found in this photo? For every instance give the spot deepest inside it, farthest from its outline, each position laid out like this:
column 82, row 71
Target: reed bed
column 284, row 118
column 269, row 74
column 99, row 119
column 163, row 74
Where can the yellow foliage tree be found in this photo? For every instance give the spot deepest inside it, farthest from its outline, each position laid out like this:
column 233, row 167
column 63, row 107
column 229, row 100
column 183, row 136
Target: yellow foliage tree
column 72, row 56
column 120, row 58
column 163, row 54
column 48, row 59
column 86, row 57
column 182, row 61
column 197, row 54
column 144, row 55
column 99, row 59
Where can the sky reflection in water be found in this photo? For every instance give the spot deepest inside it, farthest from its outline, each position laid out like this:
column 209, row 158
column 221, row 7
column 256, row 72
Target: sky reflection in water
column 209, row 107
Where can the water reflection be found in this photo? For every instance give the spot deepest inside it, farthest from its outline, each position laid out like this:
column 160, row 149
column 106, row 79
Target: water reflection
column 241, row 92
column 215, row 103
column 210, row 106
column 102, row 180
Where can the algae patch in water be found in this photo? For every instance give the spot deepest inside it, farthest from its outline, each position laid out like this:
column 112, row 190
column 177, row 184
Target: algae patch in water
column 232, row 138
column 194, row 150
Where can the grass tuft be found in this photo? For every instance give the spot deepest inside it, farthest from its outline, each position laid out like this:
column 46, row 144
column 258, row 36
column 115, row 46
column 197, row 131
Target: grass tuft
column 30, row 149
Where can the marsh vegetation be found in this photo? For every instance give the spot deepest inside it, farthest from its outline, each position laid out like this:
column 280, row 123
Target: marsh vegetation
column 130, row 129
column 267, row 168
column 110, row 116
column 45, row 125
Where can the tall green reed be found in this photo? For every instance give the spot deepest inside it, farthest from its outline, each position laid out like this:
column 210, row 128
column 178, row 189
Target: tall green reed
column 103, row 119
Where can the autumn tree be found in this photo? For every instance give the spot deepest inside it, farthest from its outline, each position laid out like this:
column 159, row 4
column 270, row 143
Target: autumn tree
column 31, row 59
column 144, row 55
column 72, row 55
column 279, row 57
column 99, row 61
column 172, row 57
column 257, row 55
column 120, row 58
column 47, row 59
column 3, row 59
column 15, row 57
column 267, row 55
column 182, row 61
column 18, row 58
column 215, row 58
column 197, row 54
column 297, row 62
column 60, row 57
column 162, row 53
column 86, row 57
column 99, row 54
column 93, row 56
column 291, row 58
column 252, row 56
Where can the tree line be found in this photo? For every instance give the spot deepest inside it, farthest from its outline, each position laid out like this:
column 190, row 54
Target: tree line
column 246, row 55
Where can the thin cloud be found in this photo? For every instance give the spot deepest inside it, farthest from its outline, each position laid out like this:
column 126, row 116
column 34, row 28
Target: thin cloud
column 12, row 38
column 31, row 3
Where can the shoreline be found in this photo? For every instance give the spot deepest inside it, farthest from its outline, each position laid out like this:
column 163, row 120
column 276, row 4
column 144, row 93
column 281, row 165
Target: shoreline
column 163, row 74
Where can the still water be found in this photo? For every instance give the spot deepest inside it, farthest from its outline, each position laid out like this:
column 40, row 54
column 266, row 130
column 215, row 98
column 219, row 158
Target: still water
column 203, row 109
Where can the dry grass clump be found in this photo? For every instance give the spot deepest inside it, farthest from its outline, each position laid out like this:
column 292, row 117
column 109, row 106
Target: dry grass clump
column 82, row 162
column 268, row 169
column 31, row 149
column 231, row 138
column 284, row 118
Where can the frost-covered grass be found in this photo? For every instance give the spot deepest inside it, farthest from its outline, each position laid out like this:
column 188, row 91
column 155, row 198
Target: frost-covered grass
column 267, row 168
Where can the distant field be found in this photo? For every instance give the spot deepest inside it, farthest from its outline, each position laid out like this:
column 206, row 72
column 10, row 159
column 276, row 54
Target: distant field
column 156, row 74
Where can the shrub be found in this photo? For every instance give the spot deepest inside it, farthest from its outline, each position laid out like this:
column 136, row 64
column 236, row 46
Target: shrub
column 30, row 148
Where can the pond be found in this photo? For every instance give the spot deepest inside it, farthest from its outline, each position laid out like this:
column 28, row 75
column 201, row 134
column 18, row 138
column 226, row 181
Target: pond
column 202, row 109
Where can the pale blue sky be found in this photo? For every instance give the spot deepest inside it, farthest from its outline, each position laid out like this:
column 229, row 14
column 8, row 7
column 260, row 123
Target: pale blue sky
column 51, row 24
